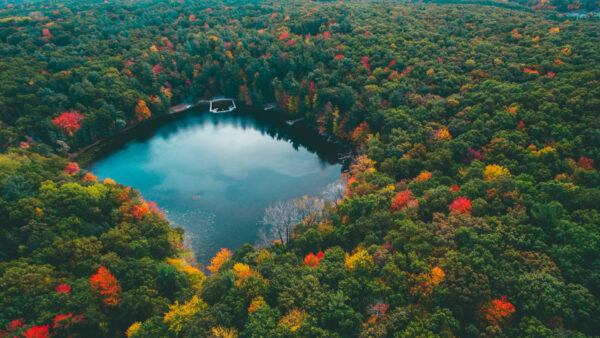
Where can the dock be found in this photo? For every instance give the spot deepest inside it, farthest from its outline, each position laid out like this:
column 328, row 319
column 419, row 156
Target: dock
column 292, row 122
column 270, row 106
column 219, row 110
column 179, row 108
column 212, row 108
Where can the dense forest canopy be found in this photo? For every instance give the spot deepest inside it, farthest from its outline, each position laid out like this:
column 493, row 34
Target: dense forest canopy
column 472, row 208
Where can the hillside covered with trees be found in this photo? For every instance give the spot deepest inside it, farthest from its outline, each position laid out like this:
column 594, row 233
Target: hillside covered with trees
column 472, row 207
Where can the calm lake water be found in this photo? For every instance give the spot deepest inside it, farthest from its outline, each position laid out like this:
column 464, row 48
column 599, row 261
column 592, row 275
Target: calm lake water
column 214, row 174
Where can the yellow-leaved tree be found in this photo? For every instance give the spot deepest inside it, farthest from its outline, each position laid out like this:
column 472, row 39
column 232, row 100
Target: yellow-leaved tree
column 224, row 332
column 179, row 314
column 293, row 319
column 133, row 329
column 360, row 259
column 442, row 134
column 241, row 270
column 194, row 276
column 257, row 303
column 493, row 170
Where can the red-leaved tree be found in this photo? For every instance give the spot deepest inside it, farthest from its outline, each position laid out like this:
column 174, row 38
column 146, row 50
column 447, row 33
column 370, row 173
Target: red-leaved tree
column 72, row 168
column 37, row 332
column 64, row 321
column 401, row 201
column 284, row 36
column 63, row 288
column 15, row 324
column 499, row 311
column 461, row 205
column 69, row 122
column 473, row 154
column 585, row 163
column 106, row 285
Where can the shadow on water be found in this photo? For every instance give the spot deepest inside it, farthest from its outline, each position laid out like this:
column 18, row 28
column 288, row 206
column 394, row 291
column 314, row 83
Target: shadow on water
column 267, row 122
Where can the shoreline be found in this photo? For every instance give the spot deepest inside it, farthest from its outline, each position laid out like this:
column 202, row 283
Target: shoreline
column 104, row 146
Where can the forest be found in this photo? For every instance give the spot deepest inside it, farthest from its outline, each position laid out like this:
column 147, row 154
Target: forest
column 472, row 207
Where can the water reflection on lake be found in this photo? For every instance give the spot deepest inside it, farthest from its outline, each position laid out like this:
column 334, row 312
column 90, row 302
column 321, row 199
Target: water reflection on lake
column 215, row 174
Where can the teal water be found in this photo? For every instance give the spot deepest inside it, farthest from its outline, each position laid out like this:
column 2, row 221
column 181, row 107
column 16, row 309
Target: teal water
column 214, row 174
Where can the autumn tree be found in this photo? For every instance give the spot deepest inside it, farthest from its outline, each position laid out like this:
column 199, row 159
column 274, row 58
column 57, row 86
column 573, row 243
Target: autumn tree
column 63, row 288
column 179, row 314
column 361, row 133
column 498, row 311
column 431, row 280
column 312, row 260
column 424, row 176
column 220, row 258
column 106, row 285
column 293, row 319
column 493, row 170
column 72, row 168
column 361, row 259
column 89, row 177
column 461, row 205
column 142, row 111
column 69, row 122
column 585, row 163
column 402, row 200
column 37, row 332
column 362, row 164
column 66, row 320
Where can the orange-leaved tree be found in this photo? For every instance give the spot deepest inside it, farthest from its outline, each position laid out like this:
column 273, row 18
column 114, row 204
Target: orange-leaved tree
column 142, row 111
column 106, row 285
column 361, row 133
column 402, row 200
column 140, row 210
column 89, row 177
column 424, row 176
column 220, row 258
column 312, row 260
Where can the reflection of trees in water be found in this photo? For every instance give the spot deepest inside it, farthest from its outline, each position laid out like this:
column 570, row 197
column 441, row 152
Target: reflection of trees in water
column 334, row 191
column 281, row 217
column 267, row 123
column 299, row 135
column 199, row 229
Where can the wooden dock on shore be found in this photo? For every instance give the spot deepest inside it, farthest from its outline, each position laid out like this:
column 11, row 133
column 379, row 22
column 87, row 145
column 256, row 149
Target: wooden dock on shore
column 218, row 110
column 292, row 122
column 179, row 108
column 211, row 106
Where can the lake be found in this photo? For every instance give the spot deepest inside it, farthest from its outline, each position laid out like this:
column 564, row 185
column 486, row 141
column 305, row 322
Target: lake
column 214, row 174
